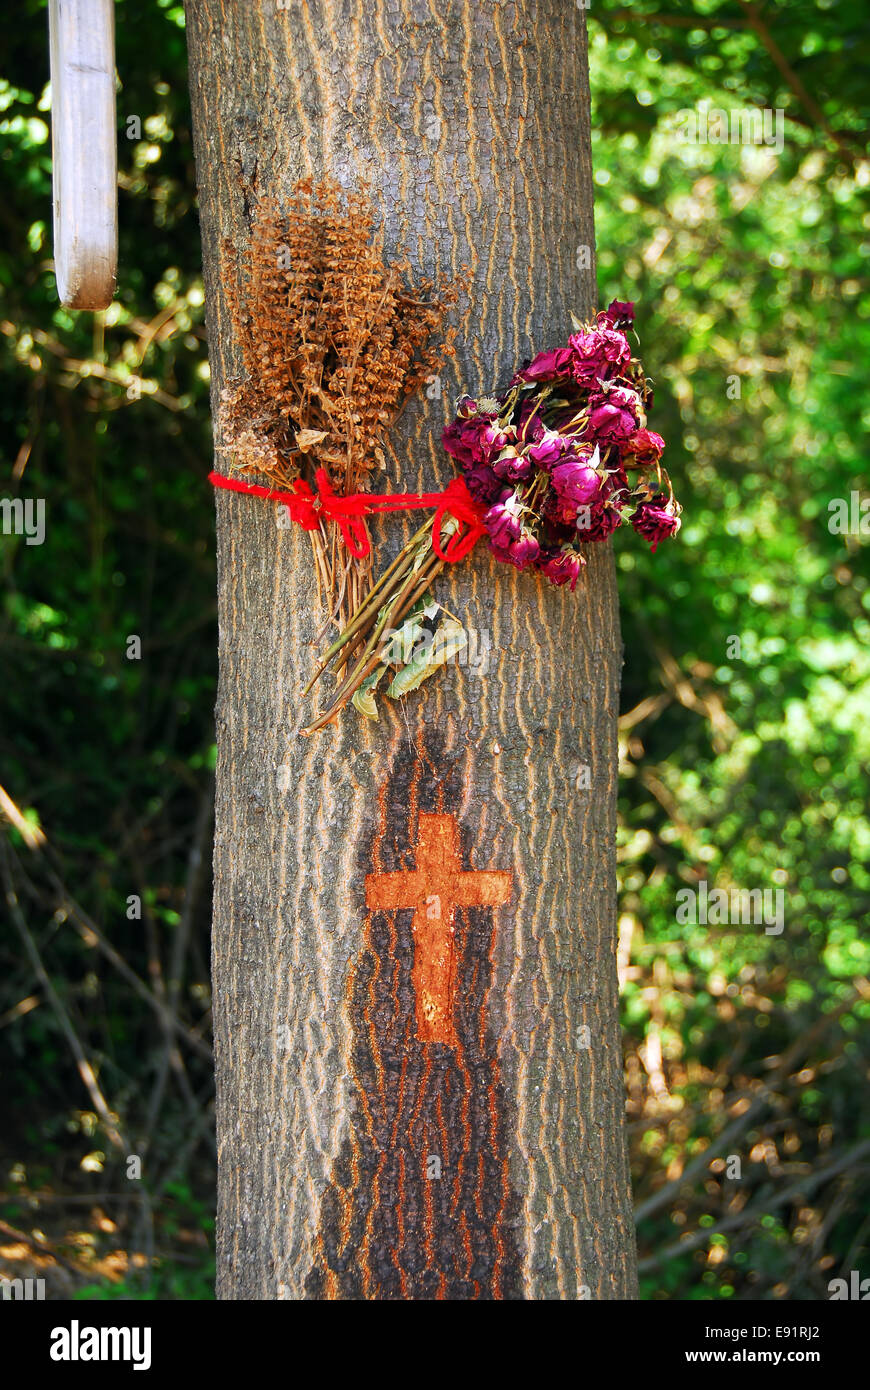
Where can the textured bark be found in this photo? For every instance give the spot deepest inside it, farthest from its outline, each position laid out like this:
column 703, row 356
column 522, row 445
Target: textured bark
column 337, row 1101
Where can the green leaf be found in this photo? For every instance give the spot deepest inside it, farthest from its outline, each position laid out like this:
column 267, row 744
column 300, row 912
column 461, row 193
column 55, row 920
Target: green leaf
column 449, row 638
column 364, row 696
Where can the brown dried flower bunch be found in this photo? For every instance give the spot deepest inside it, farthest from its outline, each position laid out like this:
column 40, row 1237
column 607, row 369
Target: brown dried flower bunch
column 334, row 341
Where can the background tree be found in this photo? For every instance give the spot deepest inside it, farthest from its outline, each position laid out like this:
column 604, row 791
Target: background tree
column 461, row 121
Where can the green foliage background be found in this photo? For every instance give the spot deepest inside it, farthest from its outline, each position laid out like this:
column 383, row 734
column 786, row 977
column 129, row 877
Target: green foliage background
column 744, row 763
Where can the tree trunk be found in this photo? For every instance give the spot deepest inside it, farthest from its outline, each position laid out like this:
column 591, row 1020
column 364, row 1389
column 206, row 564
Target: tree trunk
column 388, row 1126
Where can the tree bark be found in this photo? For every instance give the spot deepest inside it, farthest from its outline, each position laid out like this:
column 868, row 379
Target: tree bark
column 365, row 1150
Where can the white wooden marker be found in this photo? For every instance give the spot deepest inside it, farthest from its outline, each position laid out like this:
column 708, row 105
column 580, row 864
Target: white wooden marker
column 84, row 151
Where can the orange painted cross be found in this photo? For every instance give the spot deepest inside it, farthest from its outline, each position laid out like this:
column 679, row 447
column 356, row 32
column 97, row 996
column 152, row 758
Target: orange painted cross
column 435, row 889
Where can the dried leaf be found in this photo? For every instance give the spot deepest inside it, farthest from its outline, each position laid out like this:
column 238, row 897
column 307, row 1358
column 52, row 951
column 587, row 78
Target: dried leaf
column 306, row 439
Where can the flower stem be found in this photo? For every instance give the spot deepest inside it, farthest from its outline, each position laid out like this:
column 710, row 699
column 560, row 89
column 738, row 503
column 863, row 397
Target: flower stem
column 387, row 605
column 371, row 603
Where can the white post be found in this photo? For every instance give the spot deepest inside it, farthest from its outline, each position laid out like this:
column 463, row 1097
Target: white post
column 84, row 151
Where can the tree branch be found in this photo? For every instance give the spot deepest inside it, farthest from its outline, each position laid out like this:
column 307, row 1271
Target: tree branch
column 676, row 21
column 86, row 1071
column 790, row 77
column 749, row 1215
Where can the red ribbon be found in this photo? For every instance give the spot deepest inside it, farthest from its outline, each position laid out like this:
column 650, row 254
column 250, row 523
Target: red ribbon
column 308, row 508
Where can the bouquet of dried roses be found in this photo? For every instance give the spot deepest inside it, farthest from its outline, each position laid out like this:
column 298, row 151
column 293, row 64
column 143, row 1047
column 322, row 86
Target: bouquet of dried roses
column 557, row 461
column 563, row 457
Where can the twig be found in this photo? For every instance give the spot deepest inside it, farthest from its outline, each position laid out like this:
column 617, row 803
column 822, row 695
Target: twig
column 702, row 1161
column 787, row 72
column 801, row 1188
column 92, row 936
column 86, row 1071
column 32, row 836
column 43, row 1249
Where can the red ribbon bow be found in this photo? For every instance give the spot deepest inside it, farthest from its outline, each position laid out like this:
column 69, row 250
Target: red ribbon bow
column 307, row 508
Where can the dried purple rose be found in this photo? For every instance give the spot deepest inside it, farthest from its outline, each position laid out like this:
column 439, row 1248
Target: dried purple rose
column 550, row 458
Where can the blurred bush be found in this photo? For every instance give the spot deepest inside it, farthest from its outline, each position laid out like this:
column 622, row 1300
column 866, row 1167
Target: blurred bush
column 106, row 418
column 746, row 687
